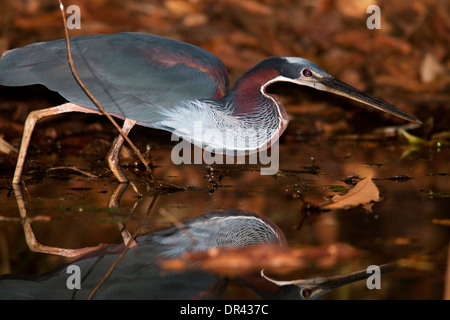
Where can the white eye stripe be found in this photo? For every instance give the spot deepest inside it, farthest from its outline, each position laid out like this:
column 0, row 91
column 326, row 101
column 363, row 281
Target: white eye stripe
column 297, row 60
column 306, row 64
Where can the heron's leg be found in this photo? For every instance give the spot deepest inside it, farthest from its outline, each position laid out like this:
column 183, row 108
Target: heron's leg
column 113, row 155
column 30, row 237
column 114, row 203
column 30, row 123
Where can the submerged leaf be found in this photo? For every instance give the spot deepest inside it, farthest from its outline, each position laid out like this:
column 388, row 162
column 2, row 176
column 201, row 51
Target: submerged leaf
column 235, row 261
column 412, row 139
column 444, row 222
column 273, row 258
column 363, row 193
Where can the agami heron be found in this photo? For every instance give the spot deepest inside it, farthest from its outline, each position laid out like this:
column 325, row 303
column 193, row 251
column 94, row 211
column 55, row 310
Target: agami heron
column 139, row 275
column 170, row 85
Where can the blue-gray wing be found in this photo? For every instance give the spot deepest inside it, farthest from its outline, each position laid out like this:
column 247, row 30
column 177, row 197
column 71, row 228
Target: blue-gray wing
column 134, row 75
column 137, row 276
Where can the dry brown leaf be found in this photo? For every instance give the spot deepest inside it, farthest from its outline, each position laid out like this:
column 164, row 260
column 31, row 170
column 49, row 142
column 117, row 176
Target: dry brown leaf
column 354, row 8
column 430, row 68
column 253, row 7
column 368, row 207
column 363, row 193
column 180, row 8
column 354, row 40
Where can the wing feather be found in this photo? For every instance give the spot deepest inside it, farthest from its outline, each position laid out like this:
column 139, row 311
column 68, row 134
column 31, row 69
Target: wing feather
column 135, row 75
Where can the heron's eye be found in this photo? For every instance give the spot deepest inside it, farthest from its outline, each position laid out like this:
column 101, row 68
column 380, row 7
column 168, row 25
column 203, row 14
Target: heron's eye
column 307, row 73
column 307, row 292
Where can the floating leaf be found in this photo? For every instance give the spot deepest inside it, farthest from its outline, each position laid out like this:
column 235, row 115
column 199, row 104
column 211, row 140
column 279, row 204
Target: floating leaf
column 363, row 193
column 368, row 206
column 412, row 139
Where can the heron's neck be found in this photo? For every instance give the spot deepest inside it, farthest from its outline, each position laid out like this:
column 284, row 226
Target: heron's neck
column 250, row 101
column 249, row 96
column 247, row 120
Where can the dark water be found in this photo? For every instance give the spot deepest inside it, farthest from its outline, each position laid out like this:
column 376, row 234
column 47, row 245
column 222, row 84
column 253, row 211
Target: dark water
column 414, row 188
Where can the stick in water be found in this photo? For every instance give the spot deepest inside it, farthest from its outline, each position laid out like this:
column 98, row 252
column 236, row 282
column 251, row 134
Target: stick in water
column 99, row 106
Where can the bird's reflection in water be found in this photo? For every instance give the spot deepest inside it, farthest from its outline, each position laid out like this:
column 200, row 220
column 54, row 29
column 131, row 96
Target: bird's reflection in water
column 138, row 274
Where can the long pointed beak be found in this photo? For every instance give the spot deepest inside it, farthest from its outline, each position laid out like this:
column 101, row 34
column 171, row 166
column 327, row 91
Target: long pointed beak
column 336, row 86
column 317, row 287
column 333, row 282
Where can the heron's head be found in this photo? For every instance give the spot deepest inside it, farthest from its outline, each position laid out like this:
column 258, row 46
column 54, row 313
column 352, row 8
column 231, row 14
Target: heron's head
column 312, row 289
column 306, row 73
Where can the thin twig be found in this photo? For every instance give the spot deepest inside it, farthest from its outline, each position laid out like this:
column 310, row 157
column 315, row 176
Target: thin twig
column 88, row 174
column 111, row 269
column 99, row 106
column 128, row 245
column 150, row 207
column 32, row 219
